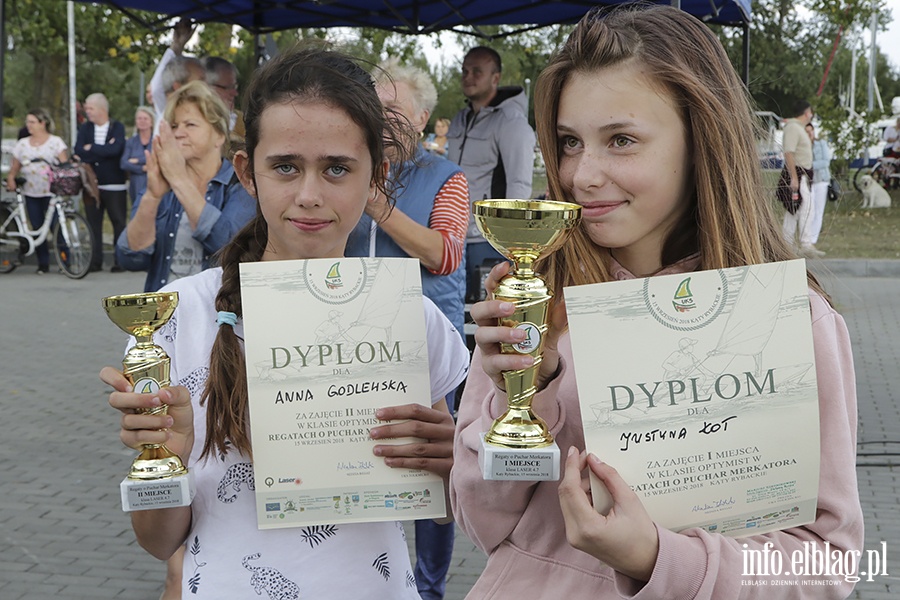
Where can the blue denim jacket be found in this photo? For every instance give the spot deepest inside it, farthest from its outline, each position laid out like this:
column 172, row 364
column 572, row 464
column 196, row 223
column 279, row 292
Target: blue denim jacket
column 228, row 208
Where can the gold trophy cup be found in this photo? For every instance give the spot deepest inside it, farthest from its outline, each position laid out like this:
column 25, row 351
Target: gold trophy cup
column 158, row 477
column 523, row 231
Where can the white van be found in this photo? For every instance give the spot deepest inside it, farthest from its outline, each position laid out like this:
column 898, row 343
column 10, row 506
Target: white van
column 878, row 127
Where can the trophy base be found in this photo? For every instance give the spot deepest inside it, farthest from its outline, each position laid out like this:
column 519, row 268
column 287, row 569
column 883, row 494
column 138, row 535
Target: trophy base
column 519, row 464
column 146, row 494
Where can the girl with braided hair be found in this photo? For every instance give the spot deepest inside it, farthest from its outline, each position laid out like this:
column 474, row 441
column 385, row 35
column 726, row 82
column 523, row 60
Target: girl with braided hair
column 314, row 157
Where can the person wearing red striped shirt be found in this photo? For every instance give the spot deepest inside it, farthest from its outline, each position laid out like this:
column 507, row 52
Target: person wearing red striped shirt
column 428, row 222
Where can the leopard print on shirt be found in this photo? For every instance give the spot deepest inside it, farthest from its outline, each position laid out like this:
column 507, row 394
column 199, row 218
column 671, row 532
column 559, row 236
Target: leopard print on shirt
column 271, row 580
column 236, row 475
column 195, row 380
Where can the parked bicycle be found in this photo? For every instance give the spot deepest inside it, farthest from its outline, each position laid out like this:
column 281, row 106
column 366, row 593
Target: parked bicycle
column 885, row 170
column 71, row 237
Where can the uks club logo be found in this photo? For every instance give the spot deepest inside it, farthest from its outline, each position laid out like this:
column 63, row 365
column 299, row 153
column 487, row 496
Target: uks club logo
column 335, row 282
column 532, row 338
column 333, row 278
column 686, row 304
column 683, row 300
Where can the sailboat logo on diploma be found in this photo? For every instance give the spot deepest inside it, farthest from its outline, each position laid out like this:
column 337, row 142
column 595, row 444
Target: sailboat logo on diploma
column 683, row 300
column 333, row 278
column 686, row 303
column 335, row 282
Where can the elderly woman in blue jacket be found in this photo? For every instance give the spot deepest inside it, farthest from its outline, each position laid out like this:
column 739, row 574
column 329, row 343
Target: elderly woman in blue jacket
column 134, row 161
column 193, row 204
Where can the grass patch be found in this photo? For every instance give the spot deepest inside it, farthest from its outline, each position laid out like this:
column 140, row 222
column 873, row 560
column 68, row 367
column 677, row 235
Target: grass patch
column 849, row 231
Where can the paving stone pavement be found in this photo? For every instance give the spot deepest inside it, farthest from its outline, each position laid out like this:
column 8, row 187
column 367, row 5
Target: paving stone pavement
column 63, row 535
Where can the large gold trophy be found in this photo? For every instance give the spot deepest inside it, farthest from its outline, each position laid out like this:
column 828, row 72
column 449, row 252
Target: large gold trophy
column 158, row 478
column 519, row 444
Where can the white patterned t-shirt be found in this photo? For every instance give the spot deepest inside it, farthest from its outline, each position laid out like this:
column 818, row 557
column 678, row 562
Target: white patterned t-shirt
column 227, row 555
column 36, row 161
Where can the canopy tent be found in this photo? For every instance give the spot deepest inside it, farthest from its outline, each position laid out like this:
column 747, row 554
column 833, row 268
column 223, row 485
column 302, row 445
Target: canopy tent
column 408, row 16
column 402, row 16
column 419, row 16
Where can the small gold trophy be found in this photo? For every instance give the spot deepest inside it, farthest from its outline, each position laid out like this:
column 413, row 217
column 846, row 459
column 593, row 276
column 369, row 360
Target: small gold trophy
column 518, row 445
column 158, row 478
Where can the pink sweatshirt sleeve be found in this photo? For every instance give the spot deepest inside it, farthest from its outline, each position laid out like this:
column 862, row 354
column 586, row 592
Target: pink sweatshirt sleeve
column 488, row 511
column 699, row 565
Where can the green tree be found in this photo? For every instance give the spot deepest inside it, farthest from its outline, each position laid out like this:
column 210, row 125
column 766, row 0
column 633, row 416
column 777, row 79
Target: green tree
column 790, row 51
column 111, row 51
column 215, row 39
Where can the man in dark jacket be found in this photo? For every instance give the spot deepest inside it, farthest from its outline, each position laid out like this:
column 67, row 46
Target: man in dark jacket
column 100, row 143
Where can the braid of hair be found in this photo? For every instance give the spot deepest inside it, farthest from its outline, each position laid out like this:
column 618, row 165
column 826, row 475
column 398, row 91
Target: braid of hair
column 225, row 393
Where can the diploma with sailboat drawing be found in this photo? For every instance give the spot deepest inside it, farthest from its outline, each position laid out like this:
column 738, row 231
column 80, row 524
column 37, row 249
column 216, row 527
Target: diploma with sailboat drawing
column 328, row 341
column 700, row 388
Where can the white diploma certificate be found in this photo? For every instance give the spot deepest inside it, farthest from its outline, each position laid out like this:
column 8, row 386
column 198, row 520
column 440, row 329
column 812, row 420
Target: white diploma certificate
column 700, row 388
column 329, row 341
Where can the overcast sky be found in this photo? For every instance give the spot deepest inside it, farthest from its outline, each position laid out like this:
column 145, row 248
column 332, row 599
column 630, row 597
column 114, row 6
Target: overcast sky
column 889, row 41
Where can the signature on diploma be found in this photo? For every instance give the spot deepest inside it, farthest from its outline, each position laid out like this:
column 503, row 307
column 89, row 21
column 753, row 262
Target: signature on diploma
column 354, row 465
column 715, row 504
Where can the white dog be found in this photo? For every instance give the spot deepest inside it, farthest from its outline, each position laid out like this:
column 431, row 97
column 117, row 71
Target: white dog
column 874, row 196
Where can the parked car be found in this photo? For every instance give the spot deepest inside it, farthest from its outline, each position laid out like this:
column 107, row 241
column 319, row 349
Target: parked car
column 875, row 150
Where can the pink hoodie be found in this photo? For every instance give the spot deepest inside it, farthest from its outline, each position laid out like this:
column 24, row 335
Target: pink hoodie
column 520, row 527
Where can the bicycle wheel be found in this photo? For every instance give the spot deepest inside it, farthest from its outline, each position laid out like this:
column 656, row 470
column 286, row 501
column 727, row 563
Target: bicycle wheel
column 72, row 245
column 10, row 247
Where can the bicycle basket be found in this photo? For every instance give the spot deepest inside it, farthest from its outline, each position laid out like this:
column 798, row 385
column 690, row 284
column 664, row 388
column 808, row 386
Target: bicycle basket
column 65, row 180
column 834, row 190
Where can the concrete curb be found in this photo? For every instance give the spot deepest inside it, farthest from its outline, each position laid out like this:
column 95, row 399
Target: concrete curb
column 857, row 267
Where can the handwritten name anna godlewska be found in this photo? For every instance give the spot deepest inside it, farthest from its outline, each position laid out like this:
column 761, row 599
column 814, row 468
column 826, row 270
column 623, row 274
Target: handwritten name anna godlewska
column 336, row 391
column 338, row 425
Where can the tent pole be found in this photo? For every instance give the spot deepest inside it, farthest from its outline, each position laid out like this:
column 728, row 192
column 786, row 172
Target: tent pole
column 873, row 57
column 745, row 54
column 2, row 52
column 73, row 116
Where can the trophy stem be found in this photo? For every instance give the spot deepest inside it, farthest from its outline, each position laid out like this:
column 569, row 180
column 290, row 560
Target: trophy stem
column 156, row 462
column 520, row 428
column 523, row 267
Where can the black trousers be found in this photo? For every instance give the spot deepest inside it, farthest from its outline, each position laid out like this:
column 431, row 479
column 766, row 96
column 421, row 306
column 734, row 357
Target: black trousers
column 115, row 203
